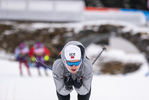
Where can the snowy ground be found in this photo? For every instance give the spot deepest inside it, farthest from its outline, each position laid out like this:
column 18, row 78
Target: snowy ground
column 132, row 86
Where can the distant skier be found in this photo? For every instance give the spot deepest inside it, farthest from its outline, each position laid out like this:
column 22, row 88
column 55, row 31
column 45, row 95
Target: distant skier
column 40, row 52
column 72, row 69
column 21, row 53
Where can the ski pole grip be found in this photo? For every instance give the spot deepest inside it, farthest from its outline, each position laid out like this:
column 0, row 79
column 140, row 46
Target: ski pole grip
column 36, row 60
column 103, row 48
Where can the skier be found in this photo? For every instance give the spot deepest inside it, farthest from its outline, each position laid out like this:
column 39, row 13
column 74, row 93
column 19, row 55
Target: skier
column 21, row 53
column 73, row 70
column 40, row 52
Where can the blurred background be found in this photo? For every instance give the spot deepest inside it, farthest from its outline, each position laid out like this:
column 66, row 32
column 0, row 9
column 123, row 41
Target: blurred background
column 55, row 22
column 122, row 26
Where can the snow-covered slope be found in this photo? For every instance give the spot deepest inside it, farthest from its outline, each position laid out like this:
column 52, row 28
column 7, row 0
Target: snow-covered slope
column 132, row 86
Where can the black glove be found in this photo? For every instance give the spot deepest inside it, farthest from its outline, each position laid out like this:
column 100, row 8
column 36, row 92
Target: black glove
column 78, row 82
column 68, row 82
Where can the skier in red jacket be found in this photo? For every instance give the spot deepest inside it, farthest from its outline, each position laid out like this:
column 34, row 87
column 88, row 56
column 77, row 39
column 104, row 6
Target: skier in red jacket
column 40, row 52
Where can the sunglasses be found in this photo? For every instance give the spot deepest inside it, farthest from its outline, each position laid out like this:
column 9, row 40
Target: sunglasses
column 73, row 63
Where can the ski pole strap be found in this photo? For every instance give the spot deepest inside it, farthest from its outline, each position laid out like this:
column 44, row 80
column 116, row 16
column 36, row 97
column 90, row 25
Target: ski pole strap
column 42, row 63
column 99, row 55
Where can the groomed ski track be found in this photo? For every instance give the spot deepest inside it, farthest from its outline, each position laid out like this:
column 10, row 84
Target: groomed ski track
column 104, row 87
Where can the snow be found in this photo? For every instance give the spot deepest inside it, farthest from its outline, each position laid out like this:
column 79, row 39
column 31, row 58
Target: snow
column 132, row 86
column 15, row 87
column 116, row 42
column 78, row 26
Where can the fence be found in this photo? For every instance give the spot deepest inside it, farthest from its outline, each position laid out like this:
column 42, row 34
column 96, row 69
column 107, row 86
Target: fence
column 66, row 11
column 42, row 10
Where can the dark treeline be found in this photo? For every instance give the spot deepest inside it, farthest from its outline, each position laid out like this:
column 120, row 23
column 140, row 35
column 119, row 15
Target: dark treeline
column 134, row 4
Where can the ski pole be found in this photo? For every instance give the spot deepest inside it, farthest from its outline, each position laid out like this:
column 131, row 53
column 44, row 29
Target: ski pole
column 92, row 63
column 99, row 55
column 42, row 63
